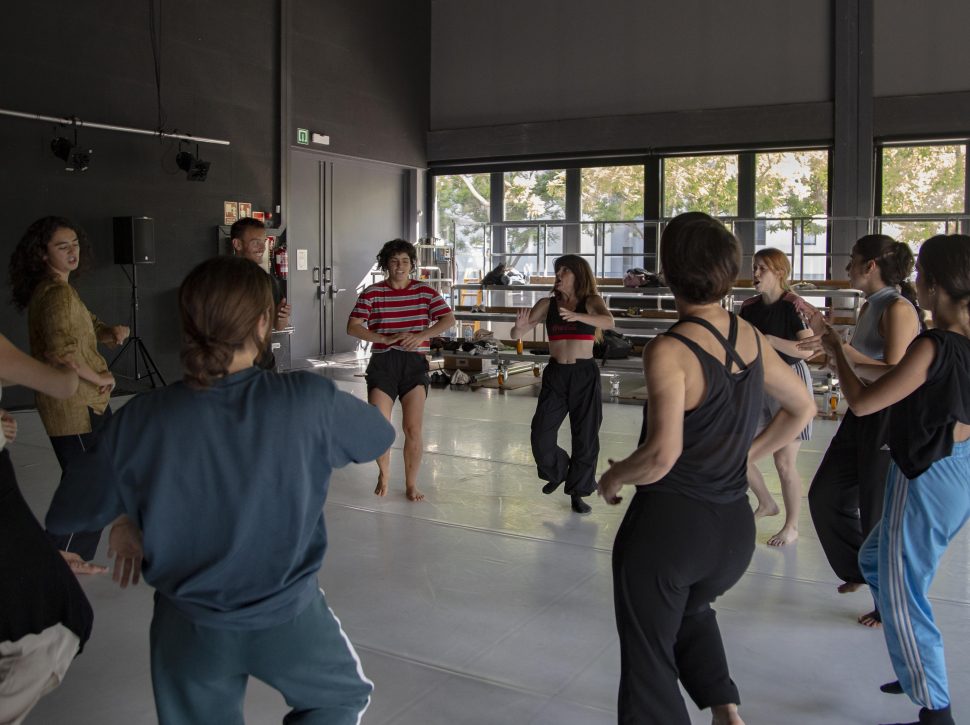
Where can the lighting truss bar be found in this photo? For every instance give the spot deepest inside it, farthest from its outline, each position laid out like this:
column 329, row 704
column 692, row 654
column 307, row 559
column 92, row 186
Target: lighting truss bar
column 68, row 121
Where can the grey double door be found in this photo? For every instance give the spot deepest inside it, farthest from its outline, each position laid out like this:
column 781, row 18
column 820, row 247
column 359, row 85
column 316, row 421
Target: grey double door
column 340, row 213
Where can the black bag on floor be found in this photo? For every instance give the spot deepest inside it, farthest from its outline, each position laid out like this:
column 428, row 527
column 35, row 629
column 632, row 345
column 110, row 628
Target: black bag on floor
column 613, row 347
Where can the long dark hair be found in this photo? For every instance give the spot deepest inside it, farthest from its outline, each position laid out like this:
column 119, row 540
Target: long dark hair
column 220, row 305
column 894, row 260
column 28, row 268
column 944, row 261
column 585, row 281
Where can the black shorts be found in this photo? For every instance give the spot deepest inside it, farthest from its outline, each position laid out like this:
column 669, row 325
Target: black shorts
column 397, row 373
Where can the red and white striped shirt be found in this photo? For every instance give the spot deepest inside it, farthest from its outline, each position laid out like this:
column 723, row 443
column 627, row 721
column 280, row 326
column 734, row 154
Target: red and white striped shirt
column 386, row 310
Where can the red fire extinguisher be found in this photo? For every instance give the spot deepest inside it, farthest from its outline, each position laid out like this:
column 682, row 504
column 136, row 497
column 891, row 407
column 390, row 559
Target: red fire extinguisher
column 280, row 262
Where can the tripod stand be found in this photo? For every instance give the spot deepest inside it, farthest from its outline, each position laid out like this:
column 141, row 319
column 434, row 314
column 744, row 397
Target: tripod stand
column 136, row 343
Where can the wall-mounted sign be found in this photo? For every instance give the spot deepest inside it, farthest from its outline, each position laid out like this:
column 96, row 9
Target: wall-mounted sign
column 303, row 136
column 230, row 211
column 245, row 209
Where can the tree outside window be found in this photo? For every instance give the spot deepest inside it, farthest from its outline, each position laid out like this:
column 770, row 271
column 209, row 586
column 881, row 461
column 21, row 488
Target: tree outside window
column 922, row 180
column 701, row 183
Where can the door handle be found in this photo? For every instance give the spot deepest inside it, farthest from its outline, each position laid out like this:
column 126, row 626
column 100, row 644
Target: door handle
column 333, row 291
column 316, row 275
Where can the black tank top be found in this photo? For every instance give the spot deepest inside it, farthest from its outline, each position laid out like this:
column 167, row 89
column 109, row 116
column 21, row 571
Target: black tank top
column 718, row 432
column 559, row 329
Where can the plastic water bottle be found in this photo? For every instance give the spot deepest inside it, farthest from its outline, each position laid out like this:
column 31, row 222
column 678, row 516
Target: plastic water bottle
column 614, row 386
column 467, row 333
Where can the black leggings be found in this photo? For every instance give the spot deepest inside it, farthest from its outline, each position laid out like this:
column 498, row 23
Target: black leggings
column 672, row 557
column 574, row 390
column 847, row 492
column 67, row 449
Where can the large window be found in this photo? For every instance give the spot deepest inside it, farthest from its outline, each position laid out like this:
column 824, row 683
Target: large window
column 923, row 191
column 611, row 202
column 701, row 183
column 461, row 213
column 613, row 215
column 791, row 203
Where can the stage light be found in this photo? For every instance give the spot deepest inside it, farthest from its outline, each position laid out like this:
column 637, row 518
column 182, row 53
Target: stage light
column 75, row 159
column 195, row 168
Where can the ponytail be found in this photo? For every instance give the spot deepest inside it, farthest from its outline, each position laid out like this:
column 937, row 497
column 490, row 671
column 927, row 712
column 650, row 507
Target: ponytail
column 895, row 263
column 221, row 302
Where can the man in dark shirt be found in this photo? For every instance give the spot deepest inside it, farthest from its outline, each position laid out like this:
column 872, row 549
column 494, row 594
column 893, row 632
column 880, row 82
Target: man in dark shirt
column 248, row 238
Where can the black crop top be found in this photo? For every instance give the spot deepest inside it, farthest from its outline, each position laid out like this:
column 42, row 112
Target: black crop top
column 921, row 424
column 559, row 329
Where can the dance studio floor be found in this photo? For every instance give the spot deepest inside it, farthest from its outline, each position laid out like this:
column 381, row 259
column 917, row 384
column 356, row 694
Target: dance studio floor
column 491, row 603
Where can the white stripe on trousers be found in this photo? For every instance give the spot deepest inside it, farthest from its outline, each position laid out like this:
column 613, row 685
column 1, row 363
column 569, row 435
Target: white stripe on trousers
column 897, row 591
column 353, row 653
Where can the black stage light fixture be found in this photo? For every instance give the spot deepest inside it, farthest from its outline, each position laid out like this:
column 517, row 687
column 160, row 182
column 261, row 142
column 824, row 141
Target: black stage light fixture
column 195, row 168
column 75, row 159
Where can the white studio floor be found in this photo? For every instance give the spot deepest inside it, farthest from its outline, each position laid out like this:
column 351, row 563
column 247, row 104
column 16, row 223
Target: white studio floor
column 491, row 603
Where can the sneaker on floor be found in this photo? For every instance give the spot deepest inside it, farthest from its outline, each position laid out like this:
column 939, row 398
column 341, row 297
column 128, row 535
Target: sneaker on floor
column 551, row 486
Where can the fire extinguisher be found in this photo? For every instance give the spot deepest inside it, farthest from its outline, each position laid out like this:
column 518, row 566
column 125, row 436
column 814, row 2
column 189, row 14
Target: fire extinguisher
column 280, row 263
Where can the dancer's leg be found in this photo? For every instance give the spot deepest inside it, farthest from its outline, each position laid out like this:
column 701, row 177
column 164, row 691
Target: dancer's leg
column 412, row 407
column 383, row 402
column 791, row 492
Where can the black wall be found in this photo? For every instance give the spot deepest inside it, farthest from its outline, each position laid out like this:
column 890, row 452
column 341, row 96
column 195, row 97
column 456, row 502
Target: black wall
column 356, row 70
column 220, row 79
column 359, row 71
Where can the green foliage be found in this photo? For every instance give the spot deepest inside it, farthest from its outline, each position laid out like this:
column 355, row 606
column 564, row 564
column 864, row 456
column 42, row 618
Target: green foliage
column 613, row 193
column 701, row 183
column 922, row 180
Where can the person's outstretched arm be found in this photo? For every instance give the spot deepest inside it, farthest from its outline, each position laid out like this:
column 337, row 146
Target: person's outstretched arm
column 19, row 368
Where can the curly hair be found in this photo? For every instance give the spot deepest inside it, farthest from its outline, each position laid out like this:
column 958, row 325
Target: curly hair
column 220, row 305
column 28, row 266
column 392, row 248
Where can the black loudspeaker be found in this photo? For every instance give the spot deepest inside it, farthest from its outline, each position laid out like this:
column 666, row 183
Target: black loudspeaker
column 134, row 240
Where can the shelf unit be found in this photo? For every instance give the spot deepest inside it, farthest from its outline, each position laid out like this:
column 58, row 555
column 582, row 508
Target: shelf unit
column 653, row 304
column 436, row 265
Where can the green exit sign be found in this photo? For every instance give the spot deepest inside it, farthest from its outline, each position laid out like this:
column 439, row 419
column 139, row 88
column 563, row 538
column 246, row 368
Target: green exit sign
column 303, row 136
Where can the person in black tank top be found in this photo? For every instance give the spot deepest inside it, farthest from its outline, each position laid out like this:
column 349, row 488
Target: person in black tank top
column 927, row 488
column 688, row 534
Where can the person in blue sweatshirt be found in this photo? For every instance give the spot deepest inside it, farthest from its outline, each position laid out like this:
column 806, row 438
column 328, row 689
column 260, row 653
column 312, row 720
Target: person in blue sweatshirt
column 225, row 524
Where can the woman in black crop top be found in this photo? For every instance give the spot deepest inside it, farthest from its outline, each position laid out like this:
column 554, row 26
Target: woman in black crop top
column 777, row 312
column 688, row 534
column 928, row 486
column 571, row 381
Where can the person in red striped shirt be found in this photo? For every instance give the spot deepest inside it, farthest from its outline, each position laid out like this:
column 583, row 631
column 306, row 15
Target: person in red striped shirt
column 398, row 316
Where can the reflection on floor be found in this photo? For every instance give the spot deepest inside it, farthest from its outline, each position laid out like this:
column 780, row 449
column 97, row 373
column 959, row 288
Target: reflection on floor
column 491, row 603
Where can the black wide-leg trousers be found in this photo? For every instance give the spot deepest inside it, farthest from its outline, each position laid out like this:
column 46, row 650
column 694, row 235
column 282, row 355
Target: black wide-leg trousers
column 673, row 556
column 572, row 390
column 67, row 449
column 846, row 495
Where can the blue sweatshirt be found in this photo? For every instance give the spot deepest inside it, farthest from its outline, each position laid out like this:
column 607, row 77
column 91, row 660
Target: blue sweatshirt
column 228, row 485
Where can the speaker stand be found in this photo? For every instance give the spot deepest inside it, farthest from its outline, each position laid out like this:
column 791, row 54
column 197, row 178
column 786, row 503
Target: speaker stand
column 134, row 341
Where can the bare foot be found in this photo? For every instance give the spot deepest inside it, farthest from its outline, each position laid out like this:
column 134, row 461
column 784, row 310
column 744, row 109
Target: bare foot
column 870, row 619
column 725, row 715
column 381, row 489
column 414, row 494
column 788, row 535
column 770, row 509
column 849, row 587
